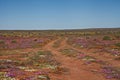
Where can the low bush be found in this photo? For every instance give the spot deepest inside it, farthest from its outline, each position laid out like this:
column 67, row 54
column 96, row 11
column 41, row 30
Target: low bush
column 2, row 41
column 117, row 44
column 13, row 41
column 106, row 38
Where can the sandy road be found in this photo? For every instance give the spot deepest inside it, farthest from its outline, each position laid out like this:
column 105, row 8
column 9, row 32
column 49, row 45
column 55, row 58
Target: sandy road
column 76, row 67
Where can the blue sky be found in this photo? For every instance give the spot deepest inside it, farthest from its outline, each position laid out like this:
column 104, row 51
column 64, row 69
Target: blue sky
column 59, row 14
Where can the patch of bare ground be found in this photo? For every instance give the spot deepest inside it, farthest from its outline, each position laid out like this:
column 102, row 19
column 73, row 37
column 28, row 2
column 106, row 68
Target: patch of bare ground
column 77, row 70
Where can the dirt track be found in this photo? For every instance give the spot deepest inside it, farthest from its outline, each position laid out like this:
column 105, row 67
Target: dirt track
column 77, row 70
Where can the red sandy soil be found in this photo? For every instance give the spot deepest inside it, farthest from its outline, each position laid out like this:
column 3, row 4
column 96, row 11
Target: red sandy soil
column 77, row 70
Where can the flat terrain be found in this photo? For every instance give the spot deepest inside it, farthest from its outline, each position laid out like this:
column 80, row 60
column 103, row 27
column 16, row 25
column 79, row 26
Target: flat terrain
column 60, row 55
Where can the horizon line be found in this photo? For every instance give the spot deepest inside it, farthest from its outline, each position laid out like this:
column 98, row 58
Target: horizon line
column 57, row 29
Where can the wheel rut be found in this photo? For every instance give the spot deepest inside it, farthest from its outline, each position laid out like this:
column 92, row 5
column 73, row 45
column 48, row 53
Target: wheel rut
column 75, row 67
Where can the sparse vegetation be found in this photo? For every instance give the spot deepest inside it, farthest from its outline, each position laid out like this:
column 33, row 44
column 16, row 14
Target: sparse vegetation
column 117, row 44
column 106, row 38
column 53, row 55
column 2, row 42
column 13, row 41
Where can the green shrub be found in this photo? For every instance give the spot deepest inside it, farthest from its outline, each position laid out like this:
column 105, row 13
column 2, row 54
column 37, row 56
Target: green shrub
column 44, row 53
column 2, row 41
column 13, row 41
column 106, row 38
column 117, row 44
